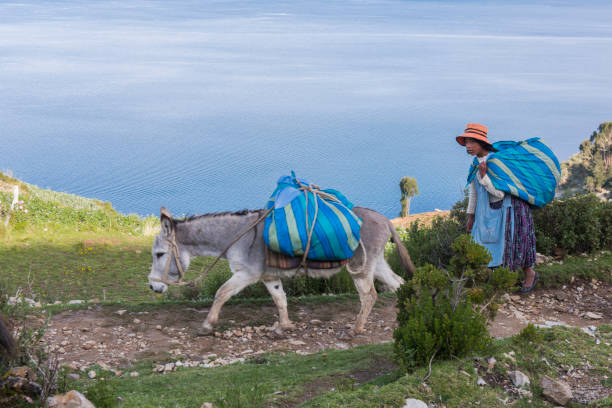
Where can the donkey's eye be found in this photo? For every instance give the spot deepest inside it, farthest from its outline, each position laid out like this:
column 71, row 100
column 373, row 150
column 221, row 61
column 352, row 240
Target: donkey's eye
column 159, row 254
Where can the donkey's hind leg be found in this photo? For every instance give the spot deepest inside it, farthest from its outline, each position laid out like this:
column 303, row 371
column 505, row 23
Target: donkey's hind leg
column 367, row 297
column 385, row 274
column 275, row 287
column 232, row 286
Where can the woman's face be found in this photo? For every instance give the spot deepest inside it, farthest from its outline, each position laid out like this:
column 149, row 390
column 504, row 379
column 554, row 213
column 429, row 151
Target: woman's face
column 474, row 148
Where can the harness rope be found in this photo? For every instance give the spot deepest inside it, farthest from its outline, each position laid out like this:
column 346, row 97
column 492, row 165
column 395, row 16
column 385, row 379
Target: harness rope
column 316, row 192
column 174, row 251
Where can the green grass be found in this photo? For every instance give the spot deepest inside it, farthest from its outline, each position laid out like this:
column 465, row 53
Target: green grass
column 592, row 266
column 331, row 379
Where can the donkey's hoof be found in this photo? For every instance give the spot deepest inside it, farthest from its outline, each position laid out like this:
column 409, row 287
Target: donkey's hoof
column 288, row 326
column 345, row 335
column 204, row 331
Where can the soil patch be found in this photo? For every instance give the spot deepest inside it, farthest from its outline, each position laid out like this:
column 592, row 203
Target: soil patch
column 100, row 335
column 425, row 218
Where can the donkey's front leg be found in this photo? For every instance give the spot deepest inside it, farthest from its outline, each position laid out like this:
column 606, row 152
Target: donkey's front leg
column 235, row 284
column 275, row 287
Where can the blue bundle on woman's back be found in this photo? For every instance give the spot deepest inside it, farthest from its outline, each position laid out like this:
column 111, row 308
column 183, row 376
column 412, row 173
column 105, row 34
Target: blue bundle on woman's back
column 528, row 170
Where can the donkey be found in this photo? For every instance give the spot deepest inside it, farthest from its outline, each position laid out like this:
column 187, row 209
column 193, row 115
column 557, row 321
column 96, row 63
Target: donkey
column 209, row 235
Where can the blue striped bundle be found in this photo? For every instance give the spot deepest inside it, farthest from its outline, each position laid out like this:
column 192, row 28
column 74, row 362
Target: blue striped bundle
column 528, row 170
column 336, row 231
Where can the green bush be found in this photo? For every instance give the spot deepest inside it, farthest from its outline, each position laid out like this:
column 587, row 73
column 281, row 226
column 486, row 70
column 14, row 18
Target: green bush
column 573, row 225
column 431, row 245
column 444, row 313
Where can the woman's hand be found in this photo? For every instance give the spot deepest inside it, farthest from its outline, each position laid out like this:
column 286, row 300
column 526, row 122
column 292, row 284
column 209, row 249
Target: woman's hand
column 482, row 169
column 470, row 223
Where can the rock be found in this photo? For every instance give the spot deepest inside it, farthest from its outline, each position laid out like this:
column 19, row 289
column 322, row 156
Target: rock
column 72, row 399
column 121, row 312
column 169, row 367
column 136, row 321
column 76, row 302
column 88, row 344
column 593, row 315
column 207, row 405
column 525, row 393
column 481, row 382
column 21, row 372
column 540, row 258
column 505, row 298
column 556, row 391
column 74, row 376
column 315, row 321
column 510, row 356
column 297, row 343
column 518, row 378
column 414, row 403
column 91, row 374
column 134, row 374
column 491, row 365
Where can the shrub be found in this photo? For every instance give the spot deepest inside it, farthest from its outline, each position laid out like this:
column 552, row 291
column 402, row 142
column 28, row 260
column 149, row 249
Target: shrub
column 432, row 245
column 529, row 335
column 573, row 225
column 444, row 313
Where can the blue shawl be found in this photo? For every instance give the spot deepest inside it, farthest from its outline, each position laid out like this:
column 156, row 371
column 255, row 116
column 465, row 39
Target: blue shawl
column 528, row 170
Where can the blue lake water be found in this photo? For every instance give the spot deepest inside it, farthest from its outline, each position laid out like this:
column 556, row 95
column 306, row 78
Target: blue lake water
column 200, row 106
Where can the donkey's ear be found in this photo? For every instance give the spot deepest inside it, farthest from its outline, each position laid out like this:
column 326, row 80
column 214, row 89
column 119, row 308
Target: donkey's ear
column 167, row 223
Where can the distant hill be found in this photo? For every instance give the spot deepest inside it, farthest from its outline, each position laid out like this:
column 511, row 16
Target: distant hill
column 590, row 170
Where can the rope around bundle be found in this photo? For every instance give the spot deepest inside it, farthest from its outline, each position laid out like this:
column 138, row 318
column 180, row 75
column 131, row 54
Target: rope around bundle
column 173, row 253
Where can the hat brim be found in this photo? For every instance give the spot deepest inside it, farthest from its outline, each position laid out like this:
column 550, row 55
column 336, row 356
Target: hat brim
column 461, row 140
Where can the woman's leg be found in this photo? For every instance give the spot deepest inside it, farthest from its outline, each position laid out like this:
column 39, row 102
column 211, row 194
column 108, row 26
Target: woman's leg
column 529, row 276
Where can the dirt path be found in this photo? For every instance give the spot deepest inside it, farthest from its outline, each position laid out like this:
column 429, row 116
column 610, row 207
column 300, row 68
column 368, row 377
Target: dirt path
column 114, row 338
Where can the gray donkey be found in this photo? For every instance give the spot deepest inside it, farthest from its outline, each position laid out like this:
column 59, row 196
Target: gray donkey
column 210, row 234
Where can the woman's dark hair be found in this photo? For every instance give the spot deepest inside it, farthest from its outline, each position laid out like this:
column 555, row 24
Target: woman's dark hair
column 486, row 146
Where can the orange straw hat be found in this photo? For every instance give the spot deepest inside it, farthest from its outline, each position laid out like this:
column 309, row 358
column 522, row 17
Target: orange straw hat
column 475, row 131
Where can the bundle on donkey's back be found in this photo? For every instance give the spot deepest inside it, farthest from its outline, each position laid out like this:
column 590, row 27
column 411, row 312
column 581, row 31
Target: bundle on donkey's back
column 239, row 237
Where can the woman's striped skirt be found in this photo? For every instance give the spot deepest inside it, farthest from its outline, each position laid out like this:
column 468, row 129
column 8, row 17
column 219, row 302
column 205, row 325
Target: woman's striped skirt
column 520, row 248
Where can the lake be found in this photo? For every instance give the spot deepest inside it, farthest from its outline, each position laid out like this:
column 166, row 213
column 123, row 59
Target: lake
column 200, row 106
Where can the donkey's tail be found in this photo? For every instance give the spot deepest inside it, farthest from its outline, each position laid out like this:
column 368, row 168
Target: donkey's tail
column 402, row 251
column 6, row 338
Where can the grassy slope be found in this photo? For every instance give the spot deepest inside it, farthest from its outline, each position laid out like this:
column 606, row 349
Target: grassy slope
column 67, row 247
column 329, row 379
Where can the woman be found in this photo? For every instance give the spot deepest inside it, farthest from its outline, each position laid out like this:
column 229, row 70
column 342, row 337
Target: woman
column 510, row 237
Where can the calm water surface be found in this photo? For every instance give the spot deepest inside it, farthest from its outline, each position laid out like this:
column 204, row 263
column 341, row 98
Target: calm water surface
column 201, row 105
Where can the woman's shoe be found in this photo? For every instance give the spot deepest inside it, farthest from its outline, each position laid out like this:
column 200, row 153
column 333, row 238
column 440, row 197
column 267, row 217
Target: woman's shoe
column 528, row 289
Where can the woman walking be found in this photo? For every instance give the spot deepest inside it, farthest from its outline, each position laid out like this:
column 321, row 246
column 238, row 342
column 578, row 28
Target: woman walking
column 500, row 222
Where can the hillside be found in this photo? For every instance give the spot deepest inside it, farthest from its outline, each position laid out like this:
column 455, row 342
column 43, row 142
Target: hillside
column 42, row 213
column 590, row 170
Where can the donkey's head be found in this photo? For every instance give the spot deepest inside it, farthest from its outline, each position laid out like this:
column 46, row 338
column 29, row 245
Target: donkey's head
column 170, row 258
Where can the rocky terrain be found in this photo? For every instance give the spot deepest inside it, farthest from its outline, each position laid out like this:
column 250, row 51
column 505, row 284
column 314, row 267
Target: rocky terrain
column 114, row 338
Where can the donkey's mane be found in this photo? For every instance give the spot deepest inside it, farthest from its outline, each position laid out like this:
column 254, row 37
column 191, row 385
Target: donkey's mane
column 217, row 214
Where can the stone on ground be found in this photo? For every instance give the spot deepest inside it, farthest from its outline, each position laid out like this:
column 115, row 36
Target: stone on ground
column 414, row 403
column 557, row 391
column 518, row 378
column 72, row 399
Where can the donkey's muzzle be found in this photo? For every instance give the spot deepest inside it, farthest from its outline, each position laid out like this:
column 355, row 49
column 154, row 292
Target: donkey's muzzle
column 158, row 287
